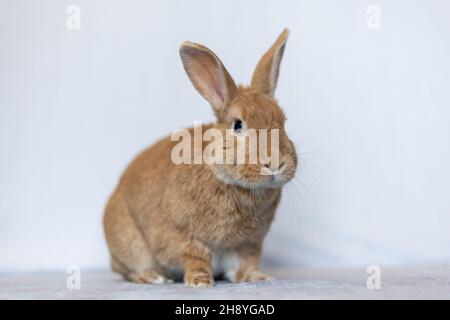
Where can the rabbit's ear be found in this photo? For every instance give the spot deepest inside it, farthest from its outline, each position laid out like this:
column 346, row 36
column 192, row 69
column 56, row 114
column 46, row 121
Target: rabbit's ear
column 208, row 75
column 266, row 73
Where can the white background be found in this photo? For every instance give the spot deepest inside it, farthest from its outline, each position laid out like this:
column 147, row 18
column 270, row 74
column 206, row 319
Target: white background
column 368, row 110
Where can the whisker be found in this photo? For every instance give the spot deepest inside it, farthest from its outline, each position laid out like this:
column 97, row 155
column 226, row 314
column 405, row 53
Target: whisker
column 294, row 195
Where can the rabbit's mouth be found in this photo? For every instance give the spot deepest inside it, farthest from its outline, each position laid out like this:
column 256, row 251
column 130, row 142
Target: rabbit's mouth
column 276, row 180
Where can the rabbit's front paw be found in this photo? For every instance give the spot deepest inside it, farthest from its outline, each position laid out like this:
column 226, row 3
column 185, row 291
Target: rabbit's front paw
column 198, row 279
column 252, row 276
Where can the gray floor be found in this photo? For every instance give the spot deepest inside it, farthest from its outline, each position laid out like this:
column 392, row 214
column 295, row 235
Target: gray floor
column 415, row 283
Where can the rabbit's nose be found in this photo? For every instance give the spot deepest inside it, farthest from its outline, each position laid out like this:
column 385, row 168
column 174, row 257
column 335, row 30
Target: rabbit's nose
column 275, row 166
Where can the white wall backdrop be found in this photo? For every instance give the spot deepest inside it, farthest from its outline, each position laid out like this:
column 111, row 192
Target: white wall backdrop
column 368, row 110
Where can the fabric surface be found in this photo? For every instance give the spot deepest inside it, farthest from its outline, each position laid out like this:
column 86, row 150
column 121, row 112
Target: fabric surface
column 418, row 283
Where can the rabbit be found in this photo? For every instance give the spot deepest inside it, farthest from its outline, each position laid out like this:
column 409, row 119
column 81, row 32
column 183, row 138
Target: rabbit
column 197, row 222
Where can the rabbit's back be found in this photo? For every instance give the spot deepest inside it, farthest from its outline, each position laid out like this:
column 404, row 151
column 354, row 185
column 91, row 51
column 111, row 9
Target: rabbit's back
column 145, row 178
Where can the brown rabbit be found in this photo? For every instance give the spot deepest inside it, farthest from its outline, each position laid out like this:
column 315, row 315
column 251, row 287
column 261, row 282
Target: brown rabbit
column 203, row 220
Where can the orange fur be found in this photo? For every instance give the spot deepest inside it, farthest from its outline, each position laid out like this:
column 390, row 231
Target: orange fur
column 165, row 219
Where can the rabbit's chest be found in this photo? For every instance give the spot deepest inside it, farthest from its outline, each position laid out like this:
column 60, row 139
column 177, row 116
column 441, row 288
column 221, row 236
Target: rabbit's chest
column 230, row 226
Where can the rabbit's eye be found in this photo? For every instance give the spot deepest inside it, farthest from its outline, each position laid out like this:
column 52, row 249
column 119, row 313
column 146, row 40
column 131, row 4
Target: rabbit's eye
column 237, row 126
